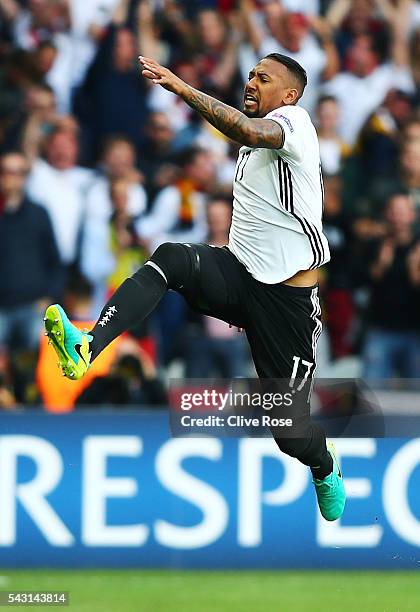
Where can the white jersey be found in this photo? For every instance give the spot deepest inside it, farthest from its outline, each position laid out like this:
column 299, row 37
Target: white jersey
column 278, row 195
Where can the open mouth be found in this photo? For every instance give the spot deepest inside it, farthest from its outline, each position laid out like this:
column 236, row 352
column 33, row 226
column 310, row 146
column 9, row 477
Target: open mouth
column 250, row 99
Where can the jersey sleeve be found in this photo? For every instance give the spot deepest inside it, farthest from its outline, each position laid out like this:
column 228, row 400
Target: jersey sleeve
column 293, row 121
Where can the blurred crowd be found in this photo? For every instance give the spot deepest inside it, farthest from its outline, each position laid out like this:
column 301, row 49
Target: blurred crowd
column 98, row 167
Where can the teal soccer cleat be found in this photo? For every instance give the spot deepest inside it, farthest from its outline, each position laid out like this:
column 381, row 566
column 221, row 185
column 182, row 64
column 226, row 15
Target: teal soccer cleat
column 70, row 344
column 330, row 490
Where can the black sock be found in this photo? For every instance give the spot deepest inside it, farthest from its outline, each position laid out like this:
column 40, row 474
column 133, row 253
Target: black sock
column 324, row 467
column 130, row 304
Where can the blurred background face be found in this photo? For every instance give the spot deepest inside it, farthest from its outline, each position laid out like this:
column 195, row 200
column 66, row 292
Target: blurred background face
column 119, row 195
column 328, row 115
column 201, row 169
column 62, row 150
column 412, row 132
column 295, row 30
column 42, row 102
column 400, row 212
column 399, row 106
column 410, row 158
column 45, row 57
column 124, row 50
column 211, row 29
column 119, row 159
column 219, row 217
column 188, row 72
column 361, row 57
column 13, row 171
column 359, row 16
column 41, row 11
column 274, row 13
column 159, row 130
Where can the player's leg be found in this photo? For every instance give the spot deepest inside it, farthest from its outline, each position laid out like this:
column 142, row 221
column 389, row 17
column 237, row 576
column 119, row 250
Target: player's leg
column 172, row 266
column 136, row 297
column 283, row 332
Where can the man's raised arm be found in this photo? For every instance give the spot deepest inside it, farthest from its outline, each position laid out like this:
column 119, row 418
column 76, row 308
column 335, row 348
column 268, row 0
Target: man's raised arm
column 228, row 120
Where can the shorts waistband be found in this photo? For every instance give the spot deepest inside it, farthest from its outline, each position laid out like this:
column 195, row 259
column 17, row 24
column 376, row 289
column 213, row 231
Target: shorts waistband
column 305, row 291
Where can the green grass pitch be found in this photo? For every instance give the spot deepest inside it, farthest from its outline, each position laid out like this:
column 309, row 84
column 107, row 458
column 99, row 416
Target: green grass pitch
column 222, row 591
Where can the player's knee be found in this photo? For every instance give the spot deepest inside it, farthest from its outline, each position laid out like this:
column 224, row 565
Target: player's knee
column 173, row 261
column 294, row 447
column 165, row 253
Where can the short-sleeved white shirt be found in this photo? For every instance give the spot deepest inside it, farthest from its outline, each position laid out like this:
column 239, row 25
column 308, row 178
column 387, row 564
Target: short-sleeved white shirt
column 276, row 226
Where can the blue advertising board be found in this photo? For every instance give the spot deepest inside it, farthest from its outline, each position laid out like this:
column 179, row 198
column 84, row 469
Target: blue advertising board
column 115, row 490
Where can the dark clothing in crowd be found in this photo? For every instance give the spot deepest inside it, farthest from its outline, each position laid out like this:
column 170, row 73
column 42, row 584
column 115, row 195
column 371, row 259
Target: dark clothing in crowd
column 29, row 260
column 111, row 101
column 395, row 302
column 119, row 391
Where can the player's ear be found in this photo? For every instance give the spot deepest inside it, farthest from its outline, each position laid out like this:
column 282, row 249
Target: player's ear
column 291, row 96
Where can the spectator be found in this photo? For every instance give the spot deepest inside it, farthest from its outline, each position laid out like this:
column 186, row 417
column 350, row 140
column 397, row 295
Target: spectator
column 118, row 163
column 411, row 130
column 406, row 177
column 223, row 152
column 160, row 100
column 308, row 40
column 352, row 18
column 38, row 22
column 392, row 346
column 132, row 381
column 111, row 251
column 337, row 276
column 88, row 23
column 16, row 75
column 333, row 150
column 29, row 259
column 31, row 124
column 78, row 297
column 60, row 186
column 7, row 397
column 378, row 144
column 217, row 53
column 178, row 212
column 157, row 165
column 43, row 30
column 362, row 88
column 213, row 348
column 410, row 172
column 112, row 99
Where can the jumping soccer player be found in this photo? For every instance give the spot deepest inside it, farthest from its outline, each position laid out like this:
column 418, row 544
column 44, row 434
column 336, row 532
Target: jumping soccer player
column 265, row 280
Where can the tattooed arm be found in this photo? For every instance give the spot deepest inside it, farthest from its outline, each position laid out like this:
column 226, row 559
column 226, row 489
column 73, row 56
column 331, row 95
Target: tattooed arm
column 228, row 120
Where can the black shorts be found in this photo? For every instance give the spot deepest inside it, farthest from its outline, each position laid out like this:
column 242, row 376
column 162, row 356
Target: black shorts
column 282, row 323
